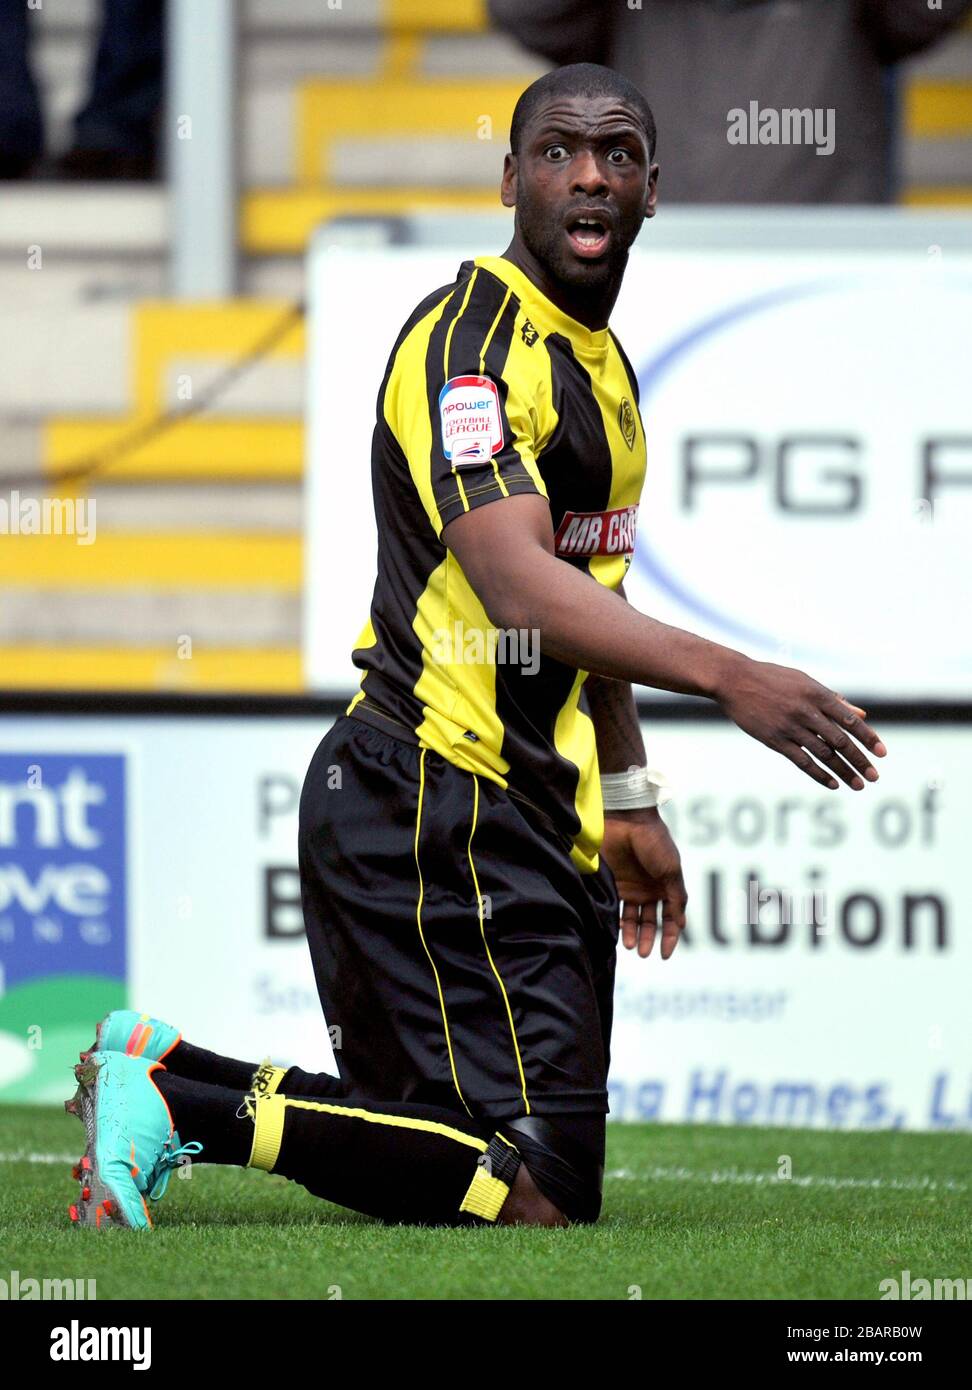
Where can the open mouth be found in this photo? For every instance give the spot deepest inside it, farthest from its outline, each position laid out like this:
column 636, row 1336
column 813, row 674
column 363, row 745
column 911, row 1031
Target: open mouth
column 588, row 234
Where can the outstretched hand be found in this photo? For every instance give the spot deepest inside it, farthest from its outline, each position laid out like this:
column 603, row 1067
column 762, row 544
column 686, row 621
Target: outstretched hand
column 797, row 716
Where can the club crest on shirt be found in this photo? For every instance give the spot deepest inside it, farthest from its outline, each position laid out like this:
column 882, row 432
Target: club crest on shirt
column 626, row 420
column 472, row 424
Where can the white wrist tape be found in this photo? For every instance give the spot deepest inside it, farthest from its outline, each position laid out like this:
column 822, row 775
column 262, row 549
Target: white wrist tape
column 634, row 789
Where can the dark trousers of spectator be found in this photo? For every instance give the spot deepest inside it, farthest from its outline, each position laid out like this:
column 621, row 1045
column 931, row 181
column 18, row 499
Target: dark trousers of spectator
column 125, row 91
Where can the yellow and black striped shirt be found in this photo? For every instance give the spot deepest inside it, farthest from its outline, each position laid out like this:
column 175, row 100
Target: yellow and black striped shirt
column 491, row 390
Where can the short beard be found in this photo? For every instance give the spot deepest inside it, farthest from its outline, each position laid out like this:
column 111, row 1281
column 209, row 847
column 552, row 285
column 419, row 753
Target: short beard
column 547, row 244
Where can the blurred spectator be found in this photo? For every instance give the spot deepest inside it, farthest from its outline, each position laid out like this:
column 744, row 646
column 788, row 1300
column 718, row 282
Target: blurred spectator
column 115, row 133
column 709, row 67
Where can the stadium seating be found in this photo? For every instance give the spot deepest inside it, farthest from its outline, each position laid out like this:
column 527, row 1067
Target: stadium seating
column 362, row 109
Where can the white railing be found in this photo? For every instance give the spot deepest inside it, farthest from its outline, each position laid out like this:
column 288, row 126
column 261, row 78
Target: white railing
column 201, row 146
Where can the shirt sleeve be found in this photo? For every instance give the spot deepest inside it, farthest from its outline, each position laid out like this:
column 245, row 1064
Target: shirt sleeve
column 469, row 412
column 484, row 443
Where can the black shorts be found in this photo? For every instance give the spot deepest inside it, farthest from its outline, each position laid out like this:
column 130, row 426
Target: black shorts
column 461, row 958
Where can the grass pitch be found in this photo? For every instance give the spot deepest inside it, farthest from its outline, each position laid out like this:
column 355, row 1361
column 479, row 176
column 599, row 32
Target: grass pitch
column 689, row 1212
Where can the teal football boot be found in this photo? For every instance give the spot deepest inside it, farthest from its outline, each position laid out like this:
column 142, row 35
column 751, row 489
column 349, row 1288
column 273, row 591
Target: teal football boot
column 138, row 1035
column 131, row 1146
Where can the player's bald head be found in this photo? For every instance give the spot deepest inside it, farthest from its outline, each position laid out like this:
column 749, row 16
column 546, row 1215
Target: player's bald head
column 580, row 80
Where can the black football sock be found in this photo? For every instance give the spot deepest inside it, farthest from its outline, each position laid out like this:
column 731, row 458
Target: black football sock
column 296, row 1082
column 414, row 1163
column 197, row 1064
column 207, row 1113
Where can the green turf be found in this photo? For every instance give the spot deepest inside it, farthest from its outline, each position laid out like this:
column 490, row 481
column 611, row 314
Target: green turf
column 667, row 1227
